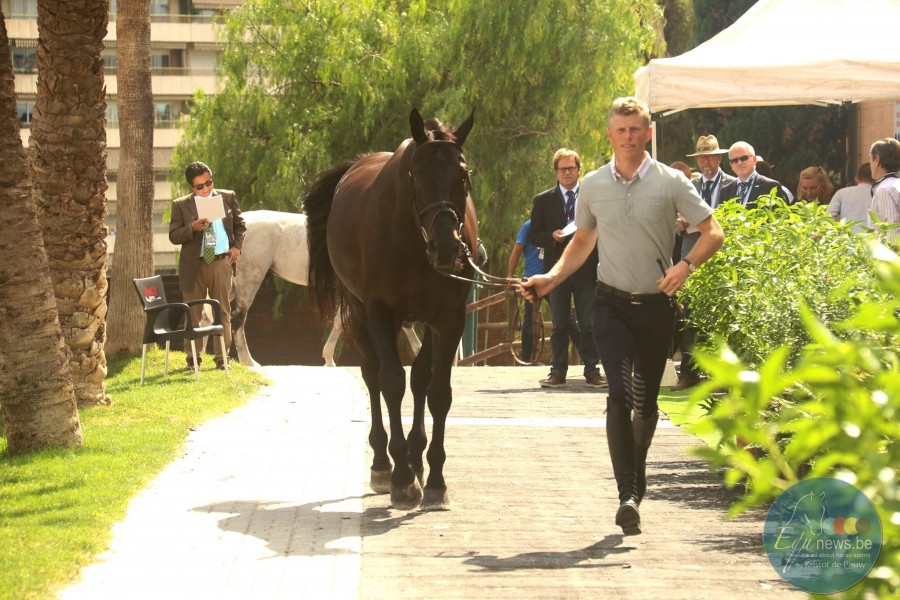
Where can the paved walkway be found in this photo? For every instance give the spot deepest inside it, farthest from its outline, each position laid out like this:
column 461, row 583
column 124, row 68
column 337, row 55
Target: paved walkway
column 271, row 501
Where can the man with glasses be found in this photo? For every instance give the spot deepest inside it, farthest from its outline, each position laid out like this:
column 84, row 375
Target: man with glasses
column 552, row 226
column 749, row 185
column 626, row 212
column 209, row 252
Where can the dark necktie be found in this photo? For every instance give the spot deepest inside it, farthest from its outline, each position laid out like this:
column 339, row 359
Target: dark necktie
column 742, row 189
column 707, row 192
column 570, row 205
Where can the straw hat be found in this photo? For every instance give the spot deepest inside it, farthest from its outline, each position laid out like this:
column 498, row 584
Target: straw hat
column 708, row 144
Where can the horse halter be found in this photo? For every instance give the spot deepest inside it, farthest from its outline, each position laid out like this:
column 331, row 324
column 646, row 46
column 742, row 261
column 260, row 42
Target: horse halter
column 440, row 207
column 447, row 207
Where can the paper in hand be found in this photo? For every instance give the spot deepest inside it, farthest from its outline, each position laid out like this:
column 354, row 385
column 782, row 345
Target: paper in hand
column 568, row 229
column 210, row 208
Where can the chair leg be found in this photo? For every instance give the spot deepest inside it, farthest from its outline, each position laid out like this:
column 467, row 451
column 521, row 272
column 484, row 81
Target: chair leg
column 196, row 362
column 143, row 362
column 166, row 364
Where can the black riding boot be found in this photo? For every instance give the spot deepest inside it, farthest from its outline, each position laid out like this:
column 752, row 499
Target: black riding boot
column 643, row 430
column 620, row 437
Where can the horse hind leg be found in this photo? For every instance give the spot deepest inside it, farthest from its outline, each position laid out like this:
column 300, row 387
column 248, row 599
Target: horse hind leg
column 333, row 337
column 239, row 336
column 244, row 290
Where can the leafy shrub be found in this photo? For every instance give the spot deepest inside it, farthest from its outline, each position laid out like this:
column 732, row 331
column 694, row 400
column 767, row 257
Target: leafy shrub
column 838, row 412
column 775, row 258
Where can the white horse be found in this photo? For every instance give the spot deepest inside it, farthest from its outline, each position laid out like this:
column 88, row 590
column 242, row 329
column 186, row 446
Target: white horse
column 276, row 241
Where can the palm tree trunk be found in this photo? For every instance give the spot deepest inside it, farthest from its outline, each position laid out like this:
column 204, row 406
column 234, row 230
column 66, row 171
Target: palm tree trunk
column 36, row 392
column 134, row 203
column 68, row 144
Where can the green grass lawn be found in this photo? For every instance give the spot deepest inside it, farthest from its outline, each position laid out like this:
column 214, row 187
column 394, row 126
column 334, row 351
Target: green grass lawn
column 684, row 411
column 57, row 506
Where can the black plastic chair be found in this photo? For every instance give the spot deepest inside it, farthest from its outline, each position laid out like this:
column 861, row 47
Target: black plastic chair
column 164, row 322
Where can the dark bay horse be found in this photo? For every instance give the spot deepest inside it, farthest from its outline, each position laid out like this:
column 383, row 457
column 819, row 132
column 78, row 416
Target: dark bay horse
column 387, row 233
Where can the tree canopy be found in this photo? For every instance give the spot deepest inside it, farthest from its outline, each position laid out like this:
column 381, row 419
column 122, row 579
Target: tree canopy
column 309, row 84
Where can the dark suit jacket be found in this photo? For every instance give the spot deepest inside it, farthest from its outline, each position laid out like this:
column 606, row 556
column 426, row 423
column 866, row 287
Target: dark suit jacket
column 761, row 187
column 688, row 240
column 725, row 180
column 548, row 215
column 184, row 212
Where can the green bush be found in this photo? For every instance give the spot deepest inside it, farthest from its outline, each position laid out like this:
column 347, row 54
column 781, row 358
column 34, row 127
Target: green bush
column 776, row 258
column 832, row 411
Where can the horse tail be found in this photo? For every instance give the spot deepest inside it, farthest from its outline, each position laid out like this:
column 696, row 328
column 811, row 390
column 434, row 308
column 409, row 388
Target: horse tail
column 323, row 283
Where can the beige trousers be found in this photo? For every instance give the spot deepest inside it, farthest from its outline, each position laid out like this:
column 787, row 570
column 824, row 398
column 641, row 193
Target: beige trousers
column 214, row 281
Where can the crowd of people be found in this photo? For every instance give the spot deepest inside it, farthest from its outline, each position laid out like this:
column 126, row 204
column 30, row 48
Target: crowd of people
column 860, row 204
column 609, row 247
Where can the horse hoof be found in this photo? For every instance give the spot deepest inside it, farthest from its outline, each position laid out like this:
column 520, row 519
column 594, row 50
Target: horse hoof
column 406, row 498
column 380, row 481
column 436, row 500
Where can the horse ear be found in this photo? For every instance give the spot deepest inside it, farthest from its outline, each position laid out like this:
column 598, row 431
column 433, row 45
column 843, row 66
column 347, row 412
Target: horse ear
column 463, row 132
column 417, row 127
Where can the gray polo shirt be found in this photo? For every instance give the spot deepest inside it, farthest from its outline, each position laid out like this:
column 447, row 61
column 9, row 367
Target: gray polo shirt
column 635, row 221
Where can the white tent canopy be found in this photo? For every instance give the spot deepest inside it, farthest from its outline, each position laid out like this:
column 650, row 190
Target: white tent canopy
column 785, row 52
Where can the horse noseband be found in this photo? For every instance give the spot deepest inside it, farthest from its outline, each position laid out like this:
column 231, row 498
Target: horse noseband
column 439, row 208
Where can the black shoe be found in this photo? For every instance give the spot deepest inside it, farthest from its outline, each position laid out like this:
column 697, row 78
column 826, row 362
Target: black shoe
column 685, row 382
column 628, row 517
column 190, row 364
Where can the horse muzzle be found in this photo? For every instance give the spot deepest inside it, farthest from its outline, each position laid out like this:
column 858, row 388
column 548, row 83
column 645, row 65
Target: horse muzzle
column 443, row 255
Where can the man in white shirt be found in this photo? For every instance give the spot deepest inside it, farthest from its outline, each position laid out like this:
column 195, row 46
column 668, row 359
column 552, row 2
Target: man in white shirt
column 851, row 204
column 885, row 159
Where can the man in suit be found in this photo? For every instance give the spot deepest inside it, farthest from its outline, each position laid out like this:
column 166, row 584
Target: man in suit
column 553, row 210
column 749, row 185
column 209, row 252
column 709, row 186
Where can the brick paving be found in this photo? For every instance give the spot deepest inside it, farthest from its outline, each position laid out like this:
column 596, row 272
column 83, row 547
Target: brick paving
column 271, row 501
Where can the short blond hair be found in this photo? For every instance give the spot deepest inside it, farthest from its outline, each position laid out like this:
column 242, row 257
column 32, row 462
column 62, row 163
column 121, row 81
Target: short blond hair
column 565, row 153
column 627, row 106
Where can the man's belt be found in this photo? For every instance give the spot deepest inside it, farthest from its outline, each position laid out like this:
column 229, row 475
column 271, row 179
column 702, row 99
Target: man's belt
column 608, row 290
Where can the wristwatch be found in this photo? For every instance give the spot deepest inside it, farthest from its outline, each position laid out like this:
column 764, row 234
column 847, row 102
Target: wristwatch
column 689, row 264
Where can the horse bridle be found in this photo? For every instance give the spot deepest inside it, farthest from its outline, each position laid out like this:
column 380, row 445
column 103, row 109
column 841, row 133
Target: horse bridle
column 442, row 207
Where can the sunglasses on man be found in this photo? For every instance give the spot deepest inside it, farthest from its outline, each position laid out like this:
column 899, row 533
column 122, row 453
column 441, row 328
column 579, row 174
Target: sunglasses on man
column 737, row 159
column 203, row 186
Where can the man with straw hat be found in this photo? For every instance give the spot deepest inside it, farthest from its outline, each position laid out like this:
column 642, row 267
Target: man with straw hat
column 709, row 184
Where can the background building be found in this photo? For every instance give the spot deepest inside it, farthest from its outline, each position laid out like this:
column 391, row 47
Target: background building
column 185, row 55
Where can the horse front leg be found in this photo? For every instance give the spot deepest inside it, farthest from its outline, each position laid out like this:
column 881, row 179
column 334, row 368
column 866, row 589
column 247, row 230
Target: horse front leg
column 440, row 397
column 420, row 378
column 406, row 491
